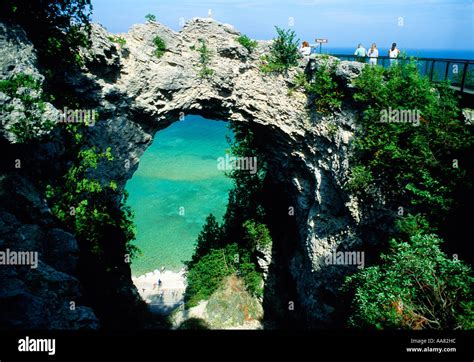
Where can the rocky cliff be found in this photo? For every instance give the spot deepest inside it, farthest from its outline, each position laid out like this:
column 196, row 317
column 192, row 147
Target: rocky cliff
column 48, row 296
column 139, row 94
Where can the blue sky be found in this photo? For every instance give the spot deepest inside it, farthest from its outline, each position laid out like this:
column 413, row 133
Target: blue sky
column 422, row 24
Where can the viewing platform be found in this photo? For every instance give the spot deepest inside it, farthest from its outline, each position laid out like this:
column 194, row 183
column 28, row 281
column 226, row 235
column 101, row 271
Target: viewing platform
column 459, row 72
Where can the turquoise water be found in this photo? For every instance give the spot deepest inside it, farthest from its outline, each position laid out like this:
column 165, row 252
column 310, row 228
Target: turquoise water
column 176, row 186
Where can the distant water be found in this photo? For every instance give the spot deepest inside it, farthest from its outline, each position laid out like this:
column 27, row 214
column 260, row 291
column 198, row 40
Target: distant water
column 422, row 53
column 179, row 170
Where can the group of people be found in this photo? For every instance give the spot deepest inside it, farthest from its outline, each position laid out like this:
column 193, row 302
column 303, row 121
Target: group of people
column 373, row 53
column 361, row 52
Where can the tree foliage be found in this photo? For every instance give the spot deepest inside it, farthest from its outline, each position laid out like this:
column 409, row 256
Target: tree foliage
column 244, row 201
column 209, row 238
column 58, row 28
column 206, row 274
column 283, row 52
column 247, row 43
column 420, row 167
column 417, row 164
column 160, row 46
column 205, row 56
column 321, row 87
column 257, row 235
column 27, row 116
column 150, row 18
column 222, row 250
column 416, row 287
column 85, row 205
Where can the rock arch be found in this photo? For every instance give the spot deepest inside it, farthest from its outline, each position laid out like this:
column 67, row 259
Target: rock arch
column 139, row 94
column 306, row 159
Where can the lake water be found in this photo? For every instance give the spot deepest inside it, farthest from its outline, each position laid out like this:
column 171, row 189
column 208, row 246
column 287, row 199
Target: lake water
column 176, row 186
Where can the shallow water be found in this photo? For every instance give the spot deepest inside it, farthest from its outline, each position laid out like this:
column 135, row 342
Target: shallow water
column 176, row 186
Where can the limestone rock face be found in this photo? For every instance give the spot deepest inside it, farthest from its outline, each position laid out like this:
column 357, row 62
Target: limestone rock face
column 17, row 53
column 17, row 56
column 139, row 94
column 38, row 297
column 41, row 297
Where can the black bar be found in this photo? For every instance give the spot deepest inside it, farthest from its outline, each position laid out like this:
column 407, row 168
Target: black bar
column 447, row 71
column 265, row 345
column 464, row 72
column 432, row 70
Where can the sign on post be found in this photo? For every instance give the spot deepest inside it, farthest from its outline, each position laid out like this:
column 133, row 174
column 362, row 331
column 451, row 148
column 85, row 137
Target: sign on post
column 321, row 42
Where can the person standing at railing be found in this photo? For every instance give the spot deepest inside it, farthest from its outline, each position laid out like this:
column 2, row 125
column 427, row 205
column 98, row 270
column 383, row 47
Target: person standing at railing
column 373, row 54
column 305, row 49
column 360, row 53
column 393, row 53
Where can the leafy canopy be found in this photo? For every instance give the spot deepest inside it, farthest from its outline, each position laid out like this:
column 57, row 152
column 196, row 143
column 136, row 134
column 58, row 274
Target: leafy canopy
column 160, row 46
column 283, row 52
column 28, row 121
column 416, row 287
column 58, row 28
column 150, row 18
column 413, row 164
column 222, row 250
column 247, row 43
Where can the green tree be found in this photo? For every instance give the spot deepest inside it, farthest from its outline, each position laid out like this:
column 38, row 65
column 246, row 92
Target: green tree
column 257, row 235
column 119, row 40
column 205, row 56
column 244, row 201
column 253, row 279
column 28, row 121
column 209, row 238
column 283, row 52
column 413, row 163
column 150, row 18
column 410, row 162
column 247, row 43
column 324, row 89
column 223, row 250
column 416, row 287
column 87, row 207
column 206, row 275
column 160, row 46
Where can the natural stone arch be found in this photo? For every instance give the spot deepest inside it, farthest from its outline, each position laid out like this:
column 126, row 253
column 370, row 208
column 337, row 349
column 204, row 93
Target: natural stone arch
column 139, row 94
column 145, row 94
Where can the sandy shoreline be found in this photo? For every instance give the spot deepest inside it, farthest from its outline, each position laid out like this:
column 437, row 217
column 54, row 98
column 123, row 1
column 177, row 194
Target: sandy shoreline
column 167, row 297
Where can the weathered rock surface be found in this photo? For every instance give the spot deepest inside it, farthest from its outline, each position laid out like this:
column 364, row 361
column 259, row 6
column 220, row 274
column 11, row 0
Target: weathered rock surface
column 46, row 296
column 49, row 296
column 139, row 94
